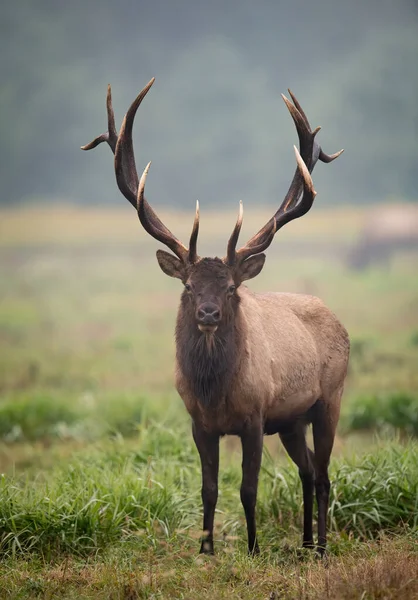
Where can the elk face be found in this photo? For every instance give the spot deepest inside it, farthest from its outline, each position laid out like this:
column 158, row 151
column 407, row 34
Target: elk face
column 210, row 286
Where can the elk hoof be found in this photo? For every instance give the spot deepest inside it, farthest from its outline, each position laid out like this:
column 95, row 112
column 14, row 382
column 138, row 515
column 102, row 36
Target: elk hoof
column 254, row 551
column 206, row 547
column 322, row 555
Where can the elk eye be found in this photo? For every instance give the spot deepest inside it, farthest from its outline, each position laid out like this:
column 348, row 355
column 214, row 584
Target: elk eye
column 231, row 289
column 187, row 287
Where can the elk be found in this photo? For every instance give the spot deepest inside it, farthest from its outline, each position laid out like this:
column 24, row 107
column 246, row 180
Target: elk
column 248, row 364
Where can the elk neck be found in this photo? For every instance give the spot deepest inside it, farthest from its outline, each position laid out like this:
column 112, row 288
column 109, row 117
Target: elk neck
column 208, row 361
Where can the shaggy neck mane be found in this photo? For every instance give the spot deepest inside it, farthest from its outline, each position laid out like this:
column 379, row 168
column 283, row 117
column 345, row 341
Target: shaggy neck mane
column 207, row 361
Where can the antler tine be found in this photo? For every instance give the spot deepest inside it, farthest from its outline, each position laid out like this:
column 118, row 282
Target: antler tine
column 327, row 158
column 264, row 241
column 309, row 150
column 232, row 243
column 193, row 256
column 125, row 167
column 308, row 197
column 266, row 234
column 298, row 107
column 291, row 208
column 110, row 136
column 126, row 173
column 148, row 222
column 269, row 231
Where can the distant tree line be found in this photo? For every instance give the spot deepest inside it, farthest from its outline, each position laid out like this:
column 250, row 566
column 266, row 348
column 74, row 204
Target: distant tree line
column 214, row 124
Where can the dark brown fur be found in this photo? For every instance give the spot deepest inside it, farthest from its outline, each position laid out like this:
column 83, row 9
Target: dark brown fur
column 274, row 364
column 208, row 361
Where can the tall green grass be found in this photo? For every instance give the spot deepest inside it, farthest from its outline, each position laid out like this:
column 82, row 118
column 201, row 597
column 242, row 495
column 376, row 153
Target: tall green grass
column 148, row 495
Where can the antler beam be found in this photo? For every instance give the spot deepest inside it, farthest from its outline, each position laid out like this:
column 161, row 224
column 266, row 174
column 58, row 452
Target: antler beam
column 127, row 177
column 291, row 207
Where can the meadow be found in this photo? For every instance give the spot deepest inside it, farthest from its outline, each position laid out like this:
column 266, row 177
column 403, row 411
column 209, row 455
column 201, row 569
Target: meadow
column 100, row 480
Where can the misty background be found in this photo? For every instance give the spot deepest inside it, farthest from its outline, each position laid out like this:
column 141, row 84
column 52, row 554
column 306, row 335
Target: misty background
column 214, row 123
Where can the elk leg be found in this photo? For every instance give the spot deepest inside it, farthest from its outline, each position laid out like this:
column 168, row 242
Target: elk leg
column 295, row 443
column 208, row 448
column 252, row 448
column 324, row 424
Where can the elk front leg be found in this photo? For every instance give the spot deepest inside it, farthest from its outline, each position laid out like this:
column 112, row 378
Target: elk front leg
column 252, row 448
column 208, row 447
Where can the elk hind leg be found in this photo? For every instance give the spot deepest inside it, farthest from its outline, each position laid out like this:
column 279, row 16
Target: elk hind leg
column 294, row 441
column 252, row 449
column 324, row 424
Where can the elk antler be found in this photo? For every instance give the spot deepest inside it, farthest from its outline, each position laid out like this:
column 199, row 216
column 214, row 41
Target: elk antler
column 291, row 207
column 127, row 177
column 145, row 216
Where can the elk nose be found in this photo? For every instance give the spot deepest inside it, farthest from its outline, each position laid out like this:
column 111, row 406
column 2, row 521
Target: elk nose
column 208, row 314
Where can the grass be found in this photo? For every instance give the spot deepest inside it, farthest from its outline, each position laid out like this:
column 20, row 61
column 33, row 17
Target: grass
column 105, row 496
column 47, row 417
column 100, row 485
column 121, row 523
column 382, row 569
column 383, row 412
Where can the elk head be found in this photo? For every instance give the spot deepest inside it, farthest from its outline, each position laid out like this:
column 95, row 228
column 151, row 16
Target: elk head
column 210, row 284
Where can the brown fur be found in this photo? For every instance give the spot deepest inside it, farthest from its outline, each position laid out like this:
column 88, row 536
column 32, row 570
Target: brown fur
column 275, row 363
column 277, row 355
column 248, row 363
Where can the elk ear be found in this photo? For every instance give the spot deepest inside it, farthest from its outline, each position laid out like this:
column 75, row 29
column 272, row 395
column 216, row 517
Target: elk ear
column 170, row 265
column 251, row 267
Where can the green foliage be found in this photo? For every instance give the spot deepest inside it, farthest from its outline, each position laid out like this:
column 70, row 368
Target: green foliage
column 97, row 499
column 34, row 417
column 381, row 412
column 85, row 418
column 86, row 508
column 414, row 338
column 369, row 494
column 90, row 417
column 112, row 494
column 119, row 414
column 376, row 492
column 358, row 348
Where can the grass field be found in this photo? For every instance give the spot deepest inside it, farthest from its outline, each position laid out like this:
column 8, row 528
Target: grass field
column 100, row 484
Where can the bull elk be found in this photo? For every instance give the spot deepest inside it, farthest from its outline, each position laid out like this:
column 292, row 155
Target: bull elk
column 248, row 364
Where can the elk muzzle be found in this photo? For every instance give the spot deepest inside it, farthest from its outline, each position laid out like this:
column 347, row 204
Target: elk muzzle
column 208, row 317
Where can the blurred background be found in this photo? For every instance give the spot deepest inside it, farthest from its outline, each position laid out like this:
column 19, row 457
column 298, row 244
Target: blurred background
column 86, row 316
column 215, row 112
column 96, row 453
